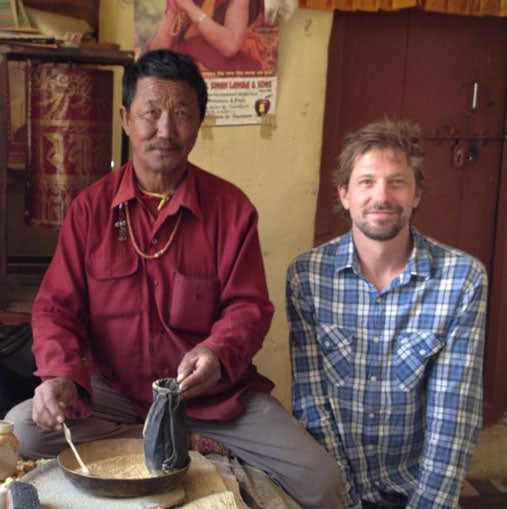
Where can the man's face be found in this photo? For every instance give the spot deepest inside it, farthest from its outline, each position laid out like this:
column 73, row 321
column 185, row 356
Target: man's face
column 381, row 194
column 162, row 124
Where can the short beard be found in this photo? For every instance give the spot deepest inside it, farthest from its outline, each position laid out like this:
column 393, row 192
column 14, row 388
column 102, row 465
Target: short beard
column 383, row 234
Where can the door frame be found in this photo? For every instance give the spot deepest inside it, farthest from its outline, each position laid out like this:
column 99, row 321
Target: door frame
column 495, row 370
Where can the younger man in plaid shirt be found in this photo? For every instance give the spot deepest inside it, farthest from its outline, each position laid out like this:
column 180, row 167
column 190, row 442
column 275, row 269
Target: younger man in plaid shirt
column 387, row 335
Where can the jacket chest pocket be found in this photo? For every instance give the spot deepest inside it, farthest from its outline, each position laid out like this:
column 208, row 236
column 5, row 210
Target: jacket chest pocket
column 194, row 303
column 337, row 347
column 113, row 285
column 413, row 354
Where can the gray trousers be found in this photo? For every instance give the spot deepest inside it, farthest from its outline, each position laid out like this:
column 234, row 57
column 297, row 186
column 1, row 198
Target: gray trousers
column 265, row 436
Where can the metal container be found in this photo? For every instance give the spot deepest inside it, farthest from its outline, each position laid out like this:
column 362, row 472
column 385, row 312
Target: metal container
column 102, row 449
column 9, row 450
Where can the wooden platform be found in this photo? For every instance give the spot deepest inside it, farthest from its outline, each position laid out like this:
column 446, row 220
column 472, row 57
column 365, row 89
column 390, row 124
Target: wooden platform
column 13, row 318
column 484, row 494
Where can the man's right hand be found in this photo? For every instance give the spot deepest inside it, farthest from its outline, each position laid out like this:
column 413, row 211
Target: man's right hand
column 50, row 400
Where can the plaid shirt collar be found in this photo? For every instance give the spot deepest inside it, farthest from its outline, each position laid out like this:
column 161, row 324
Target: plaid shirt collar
column 419, row 263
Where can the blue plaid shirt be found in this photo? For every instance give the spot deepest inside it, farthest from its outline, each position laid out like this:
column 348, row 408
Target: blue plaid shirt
column 390, row 382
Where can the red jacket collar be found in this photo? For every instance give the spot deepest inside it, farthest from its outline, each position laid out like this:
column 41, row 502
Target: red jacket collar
column 185, row 195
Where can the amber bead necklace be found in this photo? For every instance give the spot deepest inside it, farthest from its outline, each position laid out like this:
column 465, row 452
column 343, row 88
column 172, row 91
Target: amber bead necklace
column 159, row 253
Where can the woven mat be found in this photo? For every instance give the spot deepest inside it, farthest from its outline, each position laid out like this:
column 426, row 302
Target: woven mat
column 201, row 485
column 214, row 481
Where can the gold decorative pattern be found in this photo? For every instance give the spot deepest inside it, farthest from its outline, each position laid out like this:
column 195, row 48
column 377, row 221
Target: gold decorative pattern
column 70, row 138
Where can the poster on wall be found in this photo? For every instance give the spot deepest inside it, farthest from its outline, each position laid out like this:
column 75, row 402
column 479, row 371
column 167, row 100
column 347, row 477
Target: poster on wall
column 234, row 47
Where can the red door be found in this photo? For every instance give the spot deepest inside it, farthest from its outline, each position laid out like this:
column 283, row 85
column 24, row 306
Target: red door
column 447, row 73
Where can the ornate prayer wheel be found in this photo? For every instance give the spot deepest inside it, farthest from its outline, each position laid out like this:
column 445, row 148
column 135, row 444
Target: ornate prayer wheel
column 69, row 137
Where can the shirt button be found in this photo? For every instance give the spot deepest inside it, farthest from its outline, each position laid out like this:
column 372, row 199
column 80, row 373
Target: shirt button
column 155, row 282
column 373, row 378
column 371, row 415
column 422, row 352
column 154, row 241
column 376, row 339
column 327, row 344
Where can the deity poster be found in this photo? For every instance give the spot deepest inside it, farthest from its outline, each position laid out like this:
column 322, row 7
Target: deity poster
column 232, row 44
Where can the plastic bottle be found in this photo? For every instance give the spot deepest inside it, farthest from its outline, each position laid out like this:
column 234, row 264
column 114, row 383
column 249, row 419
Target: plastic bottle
column 9, row 450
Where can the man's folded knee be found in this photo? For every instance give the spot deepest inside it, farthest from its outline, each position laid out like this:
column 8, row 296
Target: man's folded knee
column 329, row 477
column 319, row 482
column 32, row 444
column 21, row 412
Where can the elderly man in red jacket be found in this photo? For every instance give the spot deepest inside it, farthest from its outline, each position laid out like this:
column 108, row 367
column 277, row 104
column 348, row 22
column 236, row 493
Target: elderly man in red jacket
column 158, row 273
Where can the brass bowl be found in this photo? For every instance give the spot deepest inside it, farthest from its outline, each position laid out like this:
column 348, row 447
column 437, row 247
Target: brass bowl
column 98, row 450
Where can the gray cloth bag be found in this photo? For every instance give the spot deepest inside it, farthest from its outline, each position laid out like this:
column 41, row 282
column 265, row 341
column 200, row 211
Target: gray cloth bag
column 165, row 433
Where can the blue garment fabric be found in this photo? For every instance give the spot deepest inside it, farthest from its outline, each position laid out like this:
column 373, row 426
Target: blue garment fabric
column 390, row 382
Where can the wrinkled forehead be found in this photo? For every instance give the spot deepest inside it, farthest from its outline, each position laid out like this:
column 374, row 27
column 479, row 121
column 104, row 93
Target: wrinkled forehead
column 163, row 92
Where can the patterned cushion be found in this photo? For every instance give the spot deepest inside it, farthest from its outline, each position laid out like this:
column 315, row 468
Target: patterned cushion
column 206, row 445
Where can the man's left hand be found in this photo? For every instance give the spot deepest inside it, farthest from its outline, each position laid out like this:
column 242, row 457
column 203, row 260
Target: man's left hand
column 198, row 372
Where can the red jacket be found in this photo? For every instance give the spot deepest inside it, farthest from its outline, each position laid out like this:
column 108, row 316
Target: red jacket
column 102, row 309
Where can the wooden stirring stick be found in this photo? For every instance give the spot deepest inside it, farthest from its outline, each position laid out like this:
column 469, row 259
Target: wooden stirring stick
column 68, row 437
